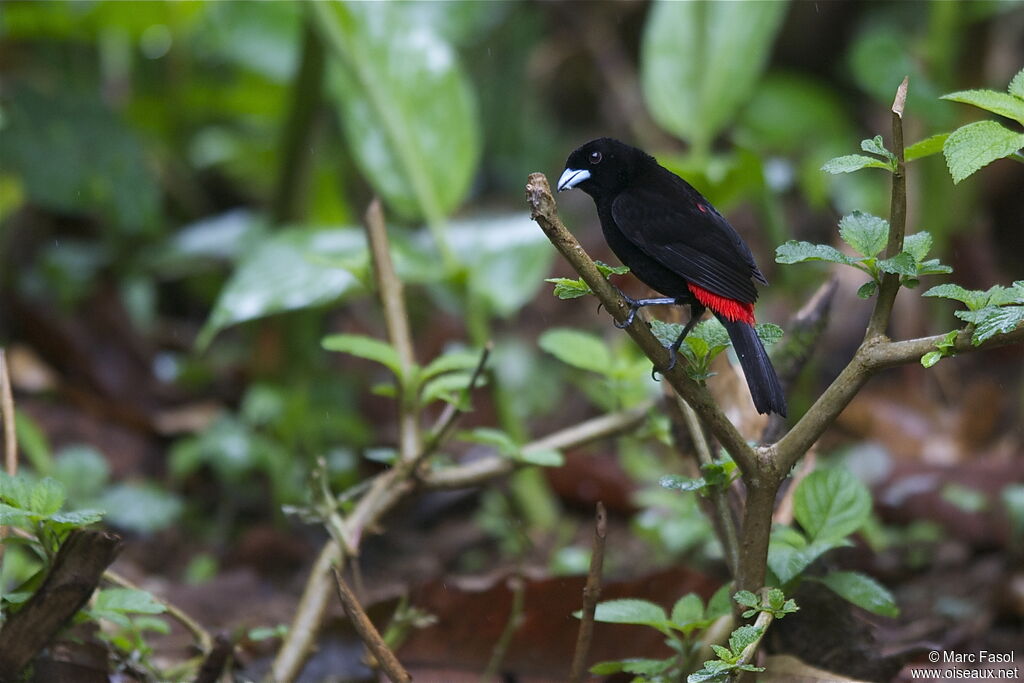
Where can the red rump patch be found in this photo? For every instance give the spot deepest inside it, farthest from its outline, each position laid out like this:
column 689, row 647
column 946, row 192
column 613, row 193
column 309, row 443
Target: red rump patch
column 730, row 308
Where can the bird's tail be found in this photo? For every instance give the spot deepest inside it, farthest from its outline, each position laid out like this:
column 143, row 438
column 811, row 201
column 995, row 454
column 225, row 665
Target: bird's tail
column 765, row 388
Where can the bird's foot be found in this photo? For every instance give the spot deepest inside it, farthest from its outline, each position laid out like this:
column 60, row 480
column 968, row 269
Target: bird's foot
column 636, row 304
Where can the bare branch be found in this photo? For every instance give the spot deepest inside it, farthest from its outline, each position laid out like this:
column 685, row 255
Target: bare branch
column 368, row 633
column 7, row 415
column 544, row 211
column 897, row 221
column 591, row 594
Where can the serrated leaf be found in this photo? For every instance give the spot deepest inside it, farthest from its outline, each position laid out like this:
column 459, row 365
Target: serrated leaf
column 688, row 609
column 744, row 636
column 931, row 358
column 15, row 490
column 933, row 267
column 1000, row 103
column 607, row 270
column 867, row 290
column 567, row 288
column 867, row 234
column 720, row 603
column 918, row 245
column 862, row 591
column 579, row 349
column 902, row 263
column 12, row 516
column 831, row 504
column 1001, row 296
column 1017, row 85
column 746, row 599
column 993, row 320
column 722, row 652
column 972, row 298
column 800, row 252
column 852, row 162
column 47, row 497
column 631, row 611
column 77, row 517
column 925, row 148
column 876, row 146
column 369, row 348
column 971, row 147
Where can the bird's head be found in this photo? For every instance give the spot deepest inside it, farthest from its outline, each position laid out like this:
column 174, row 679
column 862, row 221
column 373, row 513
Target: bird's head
column 602, row 166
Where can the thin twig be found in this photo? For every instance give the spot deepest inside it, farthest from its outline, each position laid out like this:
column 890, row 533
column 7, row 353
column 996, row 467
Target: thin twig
column 544, row 211
column 897, row 221
column 201, row 635
column 515, row 619
column 764, row 620
column 368, row 633
column 7, row 415
column 719, row 497
column 485, row 469
column 392, row 301
column 591, row 594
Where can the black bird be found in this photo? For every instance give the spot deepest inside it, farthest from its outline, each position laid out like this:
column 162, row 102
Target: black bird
column 673, row 240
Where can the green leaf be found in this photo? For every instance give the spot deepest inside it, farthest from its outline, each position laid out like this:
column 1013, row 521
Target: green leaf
column 365, row 347
column 852, row 162
column 720, row 604
column 47, row 497
column 77, row 517
column 127, row 600
column 973, row 299
column 489, row 436
column 1000, row 103
column 867, row 234
column 579, row 349
column 687, row 610
column 631, row 611
column 743, row 636
column 931, row 358
column 1001, row 296
column 747, row 599
column 862, row 591
column 291, row 270
column 607, row 270
column 1017, row 85
column 801, row 252
column 701, row 61
column 679, row 483
column 83, row 471
column 831, row 504
column 788, row 561
column 902, row 263
column 971, row 147
column 407, row 109
column 33, row 443
column 768, row 333
column 141, row 507
column 925, row 148
column 17, row 491
column 876, row 146
column 867, row 290
column 567, row 288
column 451, row 361
column 449, row 387
column 544, row 457
column 13, row 516
column 918, row 245
column 992, row 320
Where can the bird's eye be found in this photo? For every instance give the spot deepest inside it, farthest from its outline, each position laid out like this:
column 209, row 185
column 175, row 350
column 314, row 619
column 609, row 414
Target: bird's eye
column 595, row 157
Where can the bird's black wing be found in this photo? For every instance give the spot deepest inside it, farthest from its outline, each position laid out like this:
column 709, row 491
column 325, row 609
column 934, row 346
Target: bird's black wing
column 684, row 233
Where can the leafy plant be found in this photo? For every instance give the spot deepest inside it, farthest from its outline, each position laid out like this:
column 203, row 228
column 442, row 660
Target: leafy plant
column 868, row 235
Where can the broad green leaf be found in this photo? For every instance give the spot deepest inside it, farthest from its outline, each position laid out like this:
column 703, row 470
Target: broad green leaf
column 852, row 162
column 931, row 358
column 580, row 349
column 902, row 263
column 973, row 299
column 971, row 147
column 82, row 471
column 630, row 611
column 293, row 269
column 788, row 561
column 831, row 504
column 33, row 443
column 992, row 320
column 16, row 491
column 646, row 667
column 1000, row 103
column 862, row 591
column 407, row 108
column 47, row 497
column 867, row 234
column 13, row 516
column 918, row 245
column 1017, row 85
column 77, row 517
column 747, row 599
column 933, row 267
column 700, row 62
column 687, row 610
column 127, row 600
column 720, row 604
column 800, row 252
column 768, row 333
column 925, row 148
column 1001, row 296
column 365, row 347
column 140, row 507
